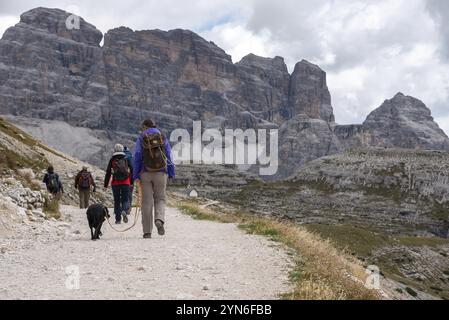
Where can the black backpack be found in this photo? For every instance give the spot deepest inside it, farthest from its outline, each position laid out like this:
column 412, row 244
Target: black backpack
column 154, row 157
column 53, row 183
column 84, row 182
column 120, row 169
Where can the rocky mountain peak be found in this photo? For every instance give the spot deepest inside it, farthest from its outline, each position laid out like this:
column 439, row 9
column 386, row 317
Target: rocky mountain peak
column 401, row 107
column 252, row 60
column 304, row 64
column 53, row 21
column 309, row 93
column 170, row 43
column 405, row 122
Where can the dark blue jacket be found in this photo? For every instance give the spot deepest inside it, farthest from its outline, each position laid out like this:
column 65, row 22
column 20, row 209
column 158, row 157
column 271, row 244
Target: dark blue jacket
column 129, row 155
column 138, row 156
column 46, row 180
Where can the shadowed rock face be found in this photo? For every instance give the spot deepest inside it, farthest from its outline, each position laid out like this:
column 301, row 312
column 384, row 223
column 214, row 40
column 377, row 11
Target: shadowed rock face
column 54, row 74
column 309, row 93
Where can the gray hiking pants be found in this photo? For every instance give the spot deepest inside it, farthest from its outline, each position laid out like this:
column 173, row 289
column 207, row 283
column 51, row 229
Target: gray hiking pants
column 153, row 195
column 84, row 198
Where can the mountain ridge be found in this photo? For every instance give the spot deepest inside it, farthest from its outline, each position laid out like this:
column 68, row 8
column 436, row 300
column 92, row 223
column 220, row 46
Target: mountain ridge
column 50, row 73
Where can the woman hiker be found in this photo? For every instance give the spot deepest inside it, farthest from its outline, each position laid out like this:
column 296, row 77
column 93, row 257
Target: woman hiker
column 120, row 174
column 152, row 163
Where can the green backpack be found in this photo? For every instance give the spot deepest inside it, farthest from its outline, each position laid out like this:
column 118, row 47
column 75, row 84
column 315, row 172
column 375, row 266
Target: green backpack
column 153, row 149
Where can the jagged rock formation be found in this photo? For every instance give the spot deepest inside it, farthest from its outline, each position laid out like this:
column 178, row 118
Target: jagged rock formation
column 54, row 74
column 405, row 122
column 303, row 139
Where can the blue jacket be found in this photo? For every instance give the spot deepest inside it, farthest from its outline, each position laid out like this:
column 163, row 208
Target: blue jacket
column 138, row 157
column 129, row 155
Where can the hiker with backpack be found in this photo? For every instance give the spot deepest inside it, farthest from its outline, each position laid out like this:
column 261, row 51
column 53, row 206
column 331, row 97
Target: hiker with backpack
column 83, row 183
column 53, row 183
column 152, row 163
column 120, row 174
column 129, row 157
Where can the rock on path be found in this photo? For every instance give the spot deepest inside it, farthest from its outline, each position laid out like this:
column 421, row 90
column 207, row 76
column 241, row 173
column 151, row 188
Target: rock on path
column 195, row 260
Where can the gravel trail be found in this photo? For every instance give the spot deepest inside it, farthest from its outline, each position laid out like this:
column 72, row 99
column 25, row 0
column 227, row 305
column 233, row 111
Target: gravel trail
column 194, row 260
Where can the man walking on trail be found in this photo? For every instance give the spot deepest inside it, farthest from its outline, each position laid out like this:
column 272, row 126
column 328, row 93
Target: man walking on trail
column 129, row 157
column 83, row 182
column 121, row 172
column 152, row 163
column 53, row 183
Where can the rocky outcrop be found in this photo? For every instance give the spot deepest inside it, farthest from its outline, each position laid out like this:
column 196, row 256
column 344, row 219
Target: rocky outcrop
column 50, row 74
column 419, row 174
column 405, row 122
column 303, row 139
column 212, row 176
column 309, row 93
column 20, row 195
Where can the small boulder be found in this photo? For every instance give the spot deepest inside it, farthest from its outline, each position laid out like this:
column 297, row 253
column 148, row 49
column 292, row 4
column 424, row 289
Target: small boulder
column 39, row 213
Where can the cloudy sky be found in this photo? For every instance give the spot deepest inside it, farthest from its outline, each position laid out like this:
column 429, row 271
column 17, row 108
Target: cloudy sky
column 370, row 49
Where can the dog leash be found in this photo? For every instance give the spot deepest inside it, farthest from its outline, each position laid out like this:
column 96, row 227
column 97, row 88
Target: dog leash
column 136, row 212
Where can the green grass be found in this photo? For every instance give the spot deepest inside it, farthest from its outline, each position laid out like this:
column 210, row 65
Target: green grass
column 439, row 212
column 9, row 159
column 395, row 193
column 263, row 229
column 420, row 241
column 359, row 241
column 198, row 214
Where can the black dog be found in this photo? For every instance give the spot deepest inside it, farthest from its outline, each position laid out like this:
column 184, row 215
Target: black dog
column 96, row 215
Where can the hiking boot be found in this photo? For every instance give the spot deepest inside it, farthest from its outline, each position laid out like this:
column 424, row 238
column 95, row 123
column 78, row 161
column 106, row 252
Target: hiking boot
column 125, row 217
column 147, row 236
column 160, row 227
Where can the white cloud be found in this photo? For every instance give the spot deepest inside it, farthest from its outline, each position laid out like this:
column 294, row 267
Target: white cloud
column 6, row 22
column 239, row 41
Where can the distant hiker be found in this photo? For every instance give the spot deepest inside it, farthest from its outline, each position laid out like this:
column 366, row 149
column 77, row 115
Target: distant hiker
column 121, row 171
column 152, row 163
column 53, row 183
column 84, row 182
column 129, row 157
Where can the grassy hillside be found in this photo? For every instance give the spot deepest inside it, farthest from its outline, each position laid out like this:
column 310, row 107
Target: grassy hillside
column 26, row 159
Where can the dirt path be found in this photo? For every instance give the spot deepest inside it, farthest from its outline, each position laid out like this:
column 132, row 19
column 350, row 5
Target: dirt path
column 195, row 260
